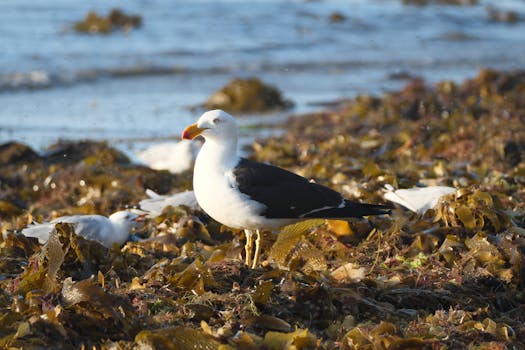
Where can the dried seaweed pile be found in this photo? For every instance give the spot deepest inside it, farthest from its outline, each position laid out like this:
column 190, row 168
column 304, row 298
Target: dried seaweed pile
column 452, row 278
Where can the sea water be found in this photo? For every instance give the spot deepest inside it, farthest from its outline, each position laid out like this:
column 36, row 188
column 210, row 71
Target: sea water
column 135, row 87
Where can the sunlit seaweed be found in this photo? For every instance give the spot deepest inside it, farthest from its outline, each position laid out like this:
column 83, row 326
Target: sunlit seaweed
column 247, row 95
column 451, row 278
column 94, row 23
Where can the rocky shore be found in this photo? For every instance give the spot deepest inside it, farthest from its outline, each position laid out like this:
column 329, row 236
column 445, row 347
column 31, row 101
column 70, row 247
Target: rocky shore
column 452, row 278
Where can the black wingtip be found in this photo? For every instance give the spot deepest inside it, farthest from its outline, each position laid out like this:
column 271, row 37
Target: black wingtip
column 378, row 209
column 352, row 210
column 366, row 209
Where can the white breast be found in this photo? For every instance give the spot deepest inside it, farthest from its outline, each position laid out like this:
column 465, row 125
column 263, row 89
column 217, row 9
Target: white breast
column 218, row 197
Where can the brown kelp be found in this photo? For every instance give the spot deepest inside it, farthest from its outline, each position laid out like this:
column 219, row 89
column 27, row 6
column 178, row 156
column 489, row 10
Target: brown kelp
column 450, row 278
column 248, row 95
column 94, row 23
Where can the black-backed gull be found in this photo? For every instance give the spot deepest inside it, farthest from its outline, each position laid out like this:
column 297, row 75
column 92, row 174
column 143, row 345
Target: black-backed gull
column 244, row 194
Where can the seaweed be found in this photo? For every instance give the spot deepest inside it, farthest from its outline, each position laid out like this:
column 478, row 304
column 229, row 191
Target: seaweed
column 451, row 278
column 94, row 23
column 247, row 95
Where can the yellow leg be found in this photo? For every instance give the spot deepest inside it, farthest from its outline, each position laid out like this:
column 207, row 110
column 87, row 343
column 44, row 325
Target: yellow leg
column 248, row 247
column 257, row 249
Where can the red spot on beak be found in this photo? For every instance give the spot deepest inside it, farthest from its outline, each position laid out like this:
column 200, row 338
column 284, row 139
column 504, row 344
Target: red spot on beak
column 192, row 132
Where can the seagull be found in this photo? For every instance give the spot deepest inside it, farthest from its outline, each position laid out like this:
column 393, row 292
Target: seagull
column 417, row 199
column 176, row 157
column 107, row 231
column 244, row 194
column 156, row 202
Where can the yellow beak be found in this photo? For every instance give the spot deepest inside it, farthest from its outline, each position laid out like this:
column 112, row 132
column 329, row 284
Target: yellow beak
column 192, row 132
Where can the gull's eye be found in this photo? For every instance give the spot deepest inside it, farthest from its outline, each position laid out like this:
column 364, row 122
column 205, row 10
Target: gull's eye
column 216, row 121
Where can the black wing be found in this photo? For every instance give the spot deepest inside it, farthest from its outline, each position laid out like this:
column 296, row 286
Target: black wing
column 288, row 195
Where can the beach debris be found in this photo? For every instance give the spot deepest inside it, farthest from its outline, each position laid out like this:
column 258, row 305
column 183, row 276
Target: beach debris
column 89, row 152
column 452, row 277
column 505, row 16
column 440, row 2
column 247, row 95
column 336, row 17
column 94, row 23
column 15, row 152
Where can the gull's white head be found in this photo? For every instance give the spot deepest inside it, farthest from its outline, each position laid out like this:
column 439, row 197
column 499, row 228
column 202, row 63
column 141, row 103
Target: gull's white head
column 123, row 222
column 123, row 216
column 213, row 125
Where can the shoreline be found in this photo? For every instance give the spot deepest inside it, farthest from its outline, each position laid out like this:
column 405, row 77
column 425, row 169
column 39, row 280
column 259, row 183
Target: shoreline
column 450, row 278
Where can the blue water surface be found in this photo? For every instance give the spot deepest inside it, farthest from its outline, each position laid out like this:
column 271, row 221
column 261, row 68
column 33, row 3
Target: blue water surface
column 131, row 88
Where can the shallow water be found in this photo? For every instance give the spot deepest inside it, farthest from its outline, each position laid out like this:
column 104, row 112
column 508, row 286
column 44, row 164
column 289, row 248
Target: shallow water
column 131, row 88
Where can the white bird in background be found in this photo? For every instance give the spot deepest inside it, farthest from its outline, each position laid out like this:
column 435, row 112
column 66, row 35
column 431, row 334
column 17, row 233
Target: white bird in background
column 156, row 202
column 176, row 157
column 418, row 199
column 252, row 196
column 107, row 231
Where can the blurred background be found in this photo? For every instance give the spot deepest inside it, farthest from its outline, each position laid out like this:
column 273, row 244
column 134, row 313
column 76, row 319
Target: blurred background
column 143, row 77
